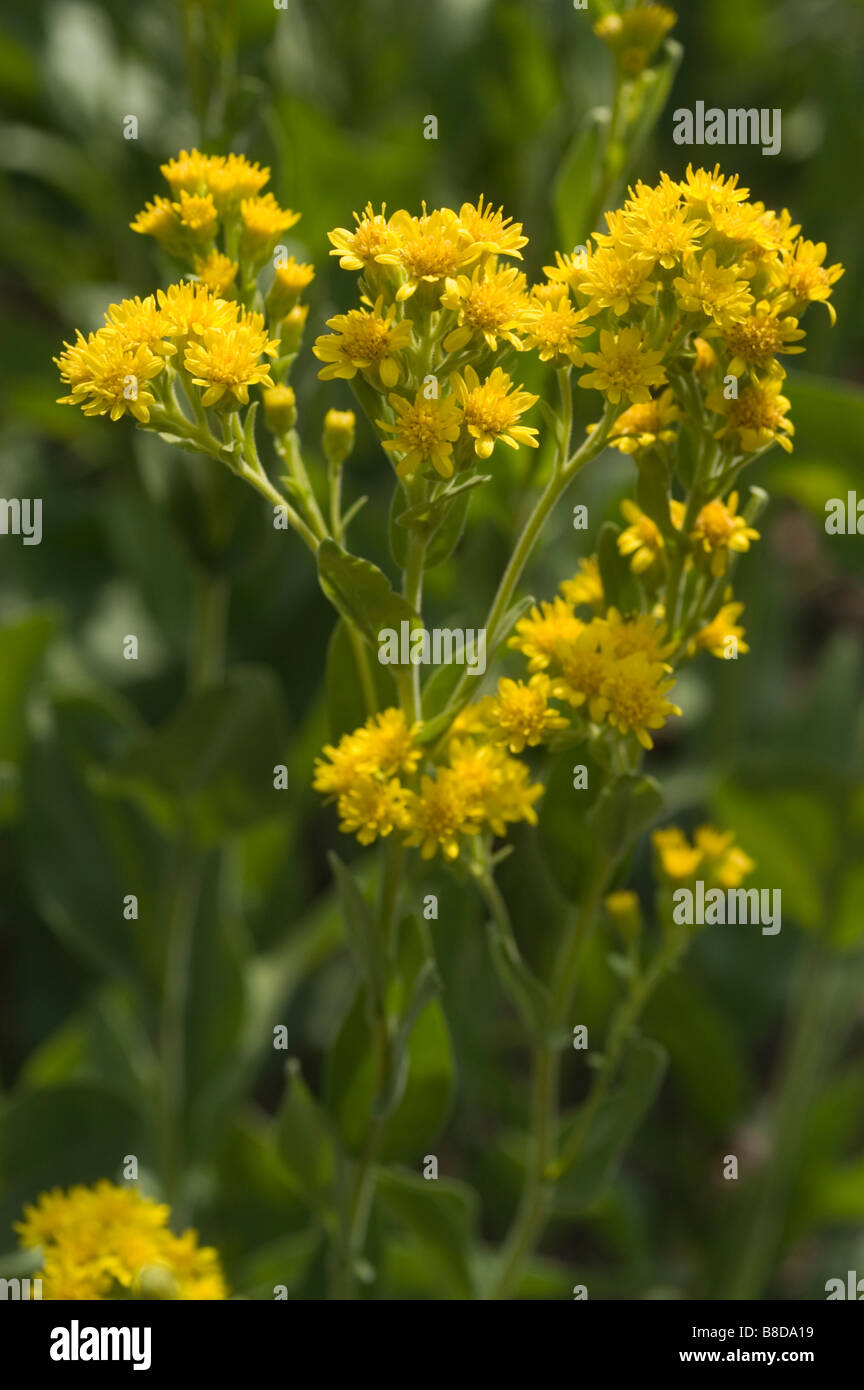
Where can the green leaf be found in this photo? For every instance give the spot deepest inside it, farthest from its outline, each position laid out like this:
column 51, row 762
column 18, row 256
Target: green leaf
column 210, row 768
column 613, row 1127
column 361, row 593
column 350, row 1075
column 346, row 704
column 617, row 578
column 448, row 533
column 576, row 183
column 441, row 1215
column 360, row 926
column 304, row 1137
column 22, row 647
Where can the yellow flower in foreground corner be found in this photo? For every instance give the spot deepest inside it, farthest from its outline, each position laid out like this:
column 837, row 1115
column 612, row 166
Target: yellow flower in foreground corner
column 491, row 410
column 361, row 340
column 719, row 529
column 758, row 417
column 105, row 1241
column 425, row 431
column 623, row 368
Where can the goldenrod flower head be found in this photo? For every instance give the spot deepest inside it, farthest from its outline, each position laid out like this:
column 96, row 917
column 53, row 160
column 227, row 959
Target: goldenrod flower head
column 706, row 192
column 713, row 291
column 441, row 814
column 624, row 369
column 110, row 376
column 521, row 716
column 383, row 747
column 706, row 357
column 585, row 663
column 189, row 310
column 290, row 279
column 496, row 787
column 490, row 231
column 725, row 862
column 159, row 219
column 371, row 238
column 424, row 430
column 758, row 417
column 139, row 321
column 280, row 408
column 657, row 226
column 263, row 221
column 371, row 808
column 549, row 291
column 492, row 409
column 624, row 912
column 733, row 867
column 489, row 305
column 364, row 340
column 714, row 637
column 639, row 632
column 234, row 178
column 197, row 213
column 641, row 426
column 635, row 695
column 428, row 248
column 293, row 327
column 539, row 633
column 586, row 586
column 554, row 327
column 803, row 279
column 217, row 272
column 642, row 540
column 676, row 857
column 99, row 1243
column 756, row 341
column 719, row 529
column 613, row 278
column 225, row 362
column 189, row 171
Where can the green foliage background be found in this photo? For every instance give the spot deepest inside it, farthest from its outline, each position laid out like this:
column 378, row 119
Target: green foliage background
column 101, row 759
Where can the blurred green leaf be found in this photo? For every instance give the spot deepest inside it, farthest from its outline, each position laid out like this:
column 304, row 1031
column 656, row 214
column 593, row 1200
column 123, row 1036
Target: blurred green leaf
column 441, row 1214
column 303, row 1135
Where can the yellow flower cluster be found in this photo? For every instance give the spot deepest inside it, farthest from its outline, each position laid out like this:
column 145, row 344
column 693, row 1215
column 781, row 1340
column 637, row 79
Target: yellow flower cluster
column 375, row 775
column 212, row 335
column 129, row 364
column 107, row 1242
column 713, row 853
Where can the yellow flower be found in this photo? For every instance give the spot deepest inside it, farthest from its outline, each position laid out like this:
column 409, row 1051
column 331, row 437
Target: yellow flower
column 197, row 213
column 706, row 357
column 640, row 426
column 290, row 279
column 758, row 417
column 733, row 867
column 714, row 637
column 585, row 664
column 139, row 321
column 383, row 747
column 520, row 714
column 803, row 279
column 712, row 290
column 225, row 361
column 718, row 530
column 440, row 814
column 623, row 368
column 490, row 231
column 554, row 328
column 370, row 808
column 657, row 226
column 706, row 192
column 642, row 540
column 640, row 632
column 159, row 219
column 110, row 376
column 425, row 432
column 280, row 408
column 189, row 172
column 613, row 278
column 586, row 587
column 428, row 248
column 635, row 696
column 677, row 859
column 363, row 340
column 217, row 272
column 549, row 292
column 538, row 634
column 757, row 340
column 725, row 862
column 188, row 310
column 263, row 221
column 371, row 238
column 106, row 1242
column 491, row 410
column 234, row 178
column 489, row 305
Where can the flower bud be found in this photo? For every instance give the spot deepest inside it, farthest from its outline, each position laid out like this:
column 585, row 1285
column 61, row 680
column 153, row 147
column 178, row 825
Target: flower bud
column 337, row 439
column 292, row 328
column 625, row 914
column 289, row 281
column 280, row 408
